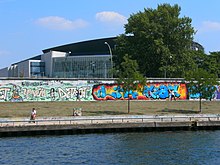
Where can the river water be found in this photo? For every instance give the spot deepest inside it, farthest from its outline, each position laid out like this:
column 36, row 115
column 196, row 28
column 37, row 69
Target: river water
column 160, row 148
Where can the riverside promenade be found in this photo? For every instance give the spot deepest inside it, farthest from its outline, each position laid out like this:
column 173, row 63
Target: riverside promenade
column 106, row 124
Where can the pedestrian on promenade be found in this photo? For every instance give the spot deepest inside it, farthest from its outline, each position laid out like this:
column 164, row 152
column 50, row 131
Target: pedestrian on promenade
column 33, row 115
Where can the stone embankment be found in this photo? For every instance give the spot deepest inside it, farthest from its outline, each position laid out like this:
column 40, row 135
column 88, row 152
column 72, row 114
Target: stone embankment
column 105, row 124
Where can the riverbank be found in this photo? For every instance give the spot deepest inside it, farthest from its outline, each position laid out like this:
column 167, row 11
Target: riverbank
column 107, row 124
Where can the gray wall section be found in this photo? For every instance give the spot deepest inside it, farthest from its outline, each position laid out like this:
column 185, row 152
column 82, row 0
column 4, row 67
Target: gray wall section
column 4, row 72
column 23, row 69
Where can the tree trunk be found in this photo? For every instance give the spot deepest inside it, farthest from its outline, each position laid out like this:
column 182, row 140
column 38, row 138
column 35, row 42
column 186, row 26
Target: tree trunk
column 200, row 103
column 128, row 104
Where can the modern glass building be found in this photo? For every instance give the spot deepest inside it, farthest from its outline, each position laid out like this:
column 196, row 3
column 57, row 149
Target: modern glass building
column 87, row 59
column 97, row 66
column 37, row 69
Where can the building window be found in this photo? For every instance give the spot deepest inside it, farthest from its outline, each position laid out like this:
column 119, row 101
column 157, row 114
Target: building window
column 37, row 69
column 82, row 67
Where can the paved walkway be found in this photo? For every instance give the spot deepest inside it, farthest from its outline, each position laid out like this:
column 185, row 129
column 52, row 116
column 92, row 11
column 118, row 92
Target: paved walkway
column 8, row 122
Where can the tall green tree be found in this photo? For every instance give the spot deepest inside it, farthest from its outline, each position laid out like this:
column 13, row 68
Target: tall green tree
column 214, row 63
column 201, row 82
column 159, row 40
column 198, row 60
column 210, row 63
column 129, row 78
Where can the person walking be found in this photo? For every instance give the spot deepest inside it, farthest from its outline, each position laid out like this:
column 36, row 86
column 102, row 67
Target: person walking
column 33, row 115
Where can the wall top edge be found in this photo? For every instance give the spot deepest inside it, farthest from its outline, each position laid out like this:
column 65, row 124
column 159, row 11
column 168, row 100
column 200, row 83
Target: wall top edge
column 91, row 79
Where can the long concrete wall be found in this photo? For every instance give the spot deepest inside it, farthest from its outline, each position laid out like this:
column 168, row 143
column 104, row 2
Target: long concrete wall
column 90, row 90
column 107, row 128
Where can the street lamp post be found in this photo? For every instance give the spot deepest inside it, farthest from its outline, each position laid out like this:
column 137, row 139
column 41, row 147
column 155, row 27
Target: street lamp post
column 110, row 51
column 65, row 63
column 165, row 72
column 93, row 68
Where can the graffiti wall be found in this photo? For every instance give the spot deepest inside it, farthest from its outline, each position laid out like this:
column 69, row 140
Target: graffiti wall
column 217, row 93
column 213, row 96
column 73, row 90
column 152, row 91
column 17, row 91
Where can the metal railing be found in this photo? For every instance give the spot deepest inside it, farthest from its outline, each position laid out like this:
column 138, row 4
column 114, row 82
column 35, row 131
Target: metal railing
column 108, row 119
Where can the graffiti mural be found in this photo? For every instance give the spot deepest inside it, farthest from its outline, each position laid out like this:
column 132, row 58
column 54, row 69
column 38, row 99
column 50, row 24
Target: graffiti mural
column 56, row 90
column 217, row 93
column 214, row 96
column 152, row 91
column 18, row 91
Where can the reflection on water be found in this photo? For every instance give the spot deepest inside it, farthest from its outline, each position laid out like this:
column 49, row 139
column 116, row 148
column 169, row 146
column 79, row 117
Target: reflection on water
column 200, row 147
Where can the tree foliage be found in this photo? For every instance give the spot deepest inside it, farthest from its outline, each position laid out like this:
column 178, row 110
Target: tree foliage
column 210, row 63
column 129, row 78
column 158, row 39
column 201, row 82
column 214, row 63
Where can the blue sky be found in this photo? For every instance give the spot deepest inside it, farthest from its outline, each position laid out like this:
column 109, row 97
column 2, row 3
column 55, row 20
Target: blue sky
column 29, row 26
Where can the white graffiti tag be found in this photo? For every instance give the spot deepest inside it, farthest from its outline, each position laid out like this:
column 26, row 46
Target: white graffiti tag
column 32, row 93
column 3, row 93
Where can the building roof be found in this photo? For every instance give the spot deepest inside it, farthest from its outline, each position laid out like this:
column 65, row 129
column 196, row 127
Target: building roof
column 38, row 57
column 90, row 47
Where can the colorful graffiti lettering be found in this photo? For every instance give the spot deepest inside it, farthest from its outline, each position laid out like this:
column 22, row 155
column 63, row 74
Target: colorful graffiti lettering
column 55, row 90
column 217, row 93
column 150, row 91
column 213, row 96
column 162, row 91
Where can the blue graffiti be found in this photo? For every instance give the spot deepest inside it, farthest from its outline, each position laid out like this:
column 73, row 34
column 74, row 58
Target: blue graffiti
column 117, row 94
column 132, row 93
column 198, row 95
column 151, row 92
column 161, row 92
column 102, row 92
column 217, row 92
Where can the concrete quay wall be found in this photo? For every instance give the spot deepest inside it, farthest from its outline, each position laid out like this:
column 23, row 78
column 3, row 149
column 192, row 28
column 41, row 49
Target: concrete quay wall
column 32, row 130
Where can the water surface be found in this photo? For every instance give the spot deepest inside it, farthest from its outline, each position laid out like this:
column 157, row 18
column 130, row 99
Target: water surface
column 185, row 147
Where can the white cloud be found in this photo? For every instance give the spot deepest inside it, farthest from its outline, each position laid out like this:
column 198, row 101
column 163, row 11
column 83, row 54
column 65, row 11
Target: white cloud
column 59, row 23
column 5, row 1
column 111, row 17
column 4, row 53
column 210, row 26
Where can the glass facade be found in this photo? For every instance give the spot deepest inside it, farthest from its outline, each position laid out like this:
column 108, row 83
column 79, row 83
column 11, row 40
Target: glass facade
column 37, row 69
column 82, row 67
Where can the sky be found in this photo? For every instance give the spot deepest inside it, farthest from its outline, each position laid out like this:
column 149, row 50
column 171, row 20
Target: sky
column 29, row 26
